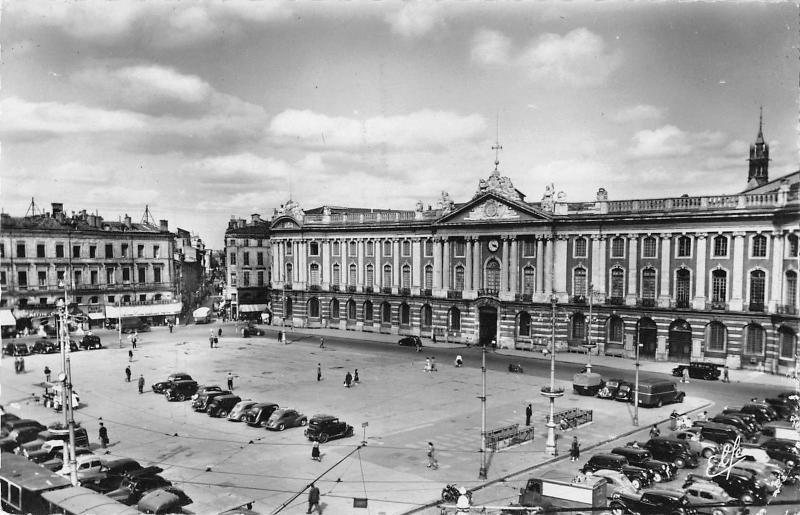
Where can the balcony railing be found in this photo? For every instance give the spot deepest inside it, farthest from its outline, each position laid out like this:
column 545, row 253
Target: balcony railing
column 486, row 292
column 369, row 289
column 682, row 304
column 287, row 286
column 756, row 306
column 524, row 297
column 717, row 305
column 334, row 287
column 615, row 301
column 426, row 292
column 647, row 303
column 579, row 299
column 453, row 294
column 386, row 289
column 405, row 291
column 351, row 288
column 314, row 287
column 786, row 309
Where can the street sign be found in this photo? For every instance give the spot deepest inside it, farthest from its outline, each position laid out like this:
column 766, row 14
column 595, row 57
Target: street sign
column 365, row 424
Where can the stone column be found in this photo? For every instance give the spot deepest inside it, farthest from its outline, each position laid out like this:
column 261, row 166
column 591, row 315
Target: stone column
column 633, row 270
column 514, row 267
column 325, row 272
column 598, row 257
column 699, row 301
column 446, row 267
column 468, row 259
column 395, row 265
column 477, row 266
column 437, row 264
column 273, row 265
column 360, row 269
column 416, row 266
column 378, row 266
column 548, row 267
column 776, row 276
column 504, row 257
column 282, row 263
column 540, row 267
column 737, row 278
column 560, row 266
column 665, row 275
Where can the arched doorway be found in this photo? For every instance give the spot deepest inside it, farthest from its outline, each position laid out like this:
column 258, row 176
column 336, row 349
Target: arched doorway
column 487, row 319
column 679, row 343
column 647, row 337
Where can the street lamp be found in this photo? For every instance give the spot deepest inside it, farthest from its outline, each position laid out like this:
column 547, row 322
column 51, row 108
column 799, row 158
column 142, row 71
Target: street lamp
column 65, row 378
column 589, row 345
column 550, row 391
column 119, row 323
column 636, row 388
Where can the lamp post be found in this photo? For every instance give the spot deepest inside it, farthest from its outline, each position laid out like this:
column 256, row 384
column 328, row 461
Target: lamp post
column 119, row 323
column 65, row 377
column 551, row 392
column 636, row 389
column 482, row 471
column 589, row 345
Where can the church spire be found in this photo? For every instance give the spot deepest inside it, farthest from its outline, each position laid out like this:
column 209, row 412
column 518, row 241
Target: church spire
column 758, row 172
column 760, row 137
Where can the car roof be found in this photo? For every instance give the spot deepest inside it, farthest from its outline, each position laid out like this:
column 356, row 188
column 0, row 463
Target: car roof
column 264, row 404
column 664, row 492
column 322, row 416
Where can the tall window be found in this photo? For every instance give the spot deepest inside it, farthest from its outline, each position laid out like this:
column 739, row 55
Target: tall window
column 335, row 249
column 369, row 276
column 524, row 324
column 313, row 307
column 233, row 279
column 454, row 319
column 387, row 275
column 649, row 247
column 42, row 278
column 314, row 274
column 579, row 281
column 682, row 287
column 142, row 274
column 428, row 277
column 405, row 314
column 351, row 310
column 386, row 313
column 754, row 340
column 406, row 248
column 20, row 250
column 616, row 329
column 428, row 248
column 528, row 280
column 233, row 258
column 110, row 275
column 759, row 245
column 368, row 311
column 352, row 249
column 529, row 248
column 458, row 278
column 459, row 248
column 580, row 247
column 336, row 275
column 720, row 246
column 246, row 278
column 370, row 246
column 156, row 251
column 22, row 279
column 313, row 249
column 76, row 251
column 648, row 283
column 139, row 251
column 757, row 283
column 493, row 275
column 719, row 286
column 406, row 276
column 60, row 250
column 289, row 248
column 792, row 247
column 790, row 292
column 246, row 258
column 387, row 248
column 126, row 274
column 93, row 251
column 578, row 326
column 79, row 276
column 617, row 283
column 684, row 247
column 109, row 250
column 426, row 316
column 289, row 270
column 716, row 337
column 40, row 250
column 618, row 247
column 260, row 278
column 352, row 275
column 787, row 342
column 335, row 308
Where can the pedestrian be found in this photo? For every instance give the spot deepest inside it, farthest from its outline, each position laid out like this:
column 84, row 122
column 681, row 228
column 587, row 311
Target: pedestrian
column 348, row 379
column 16, row 365
column 434, row 337
column 685, row 375
column 575, row 449
column 655, row 432
column 432, row 463
column 128, row 374
column 322, row 343
column 135, row 338
column 170, row 325
column 725, row 377
column 141, row 383
column 315, row 452
column 47, row 373
column 528, row 414
column 319, row 372
column 211, row 341
column 130, row 354
column 219, row 332
column 230, row 381
column 433, row 364
column 313, row 499
column 216, row 342
column 103, row 436
column 21, row 364
column 428, row 365
column 356, row 380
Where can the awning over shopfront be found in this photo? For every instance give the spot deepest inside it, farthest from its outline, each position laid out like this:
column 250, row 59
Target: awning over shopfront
column 6, row 318
column 97, row 316
column 252, row 308
column 144, row 310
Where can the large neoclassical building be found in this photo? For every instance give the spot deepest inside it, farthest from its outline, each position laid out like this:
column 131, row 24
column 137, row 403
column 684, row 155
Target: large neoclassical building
column 706, row 277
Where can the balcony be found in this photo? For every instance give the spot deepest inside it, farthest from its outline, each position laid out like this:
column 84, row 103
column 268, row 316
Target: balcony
column 314, row 287
column 756, row 306
column 524, row 297
column 386, row 289
column 426, row 292
column 287, row 286
column 615, row 301
column 579, row 299
column 334, row 287
column 351, row 288
column 405, row 291
column 369, row 289
column 647, row 303
column 786, row 309
column 716, row 305
column 454, row 294
column 682, row 304
column 486, row 292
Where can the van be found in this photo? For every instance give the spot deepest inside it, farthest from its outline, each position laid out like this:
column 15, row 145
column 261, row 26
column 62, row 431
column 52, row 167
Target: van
column 132, row 324
column 781, row 429
column 658, row 393
column 720, row 433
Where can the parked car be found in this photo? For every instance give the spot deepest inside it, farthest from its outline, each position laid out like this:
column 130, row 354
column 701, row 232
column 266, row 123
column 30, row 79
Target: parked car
column 50, row 439
column 87, row 465
column 135, row 484
column 201, row 402
column 653, row 502
column 239, row 412
column 181, row 390
column 609, row 390
column 701, row 493
column 617, row 482
column 132, row 324
column 17, row 437
column 762, row 411
column 769, row 476
column 699, row 370
column 56, row 463
column 282, row 418
column 638, row 477
column 167, row 499
column 410, row 341
column 624, row 393
column 747, row 429
column 221, row 405
column 699, row 446
column 658, row 393
column 205, row 389
column 787, row 451
column 720, row 433
column 90, row 342
column 15, row 349
column 325, row 427
column 587, row 383
column 45, row 346
column 248, row 330
column 259, row 413
column 736, row 485
column 110, row 475
column 748, row 418
column 162, row 386
column 673, row 451
column 10, row 424
column 785, row 407
column 661, row 471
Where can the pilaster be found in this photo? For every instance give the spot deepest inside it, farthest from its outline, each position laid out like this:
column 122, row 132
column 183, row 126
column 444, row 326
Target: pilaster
column 560, row 268
column 395, row 266
column 416, row 265
column 477, row 266
column 326, row 265
column 539, row 287
column 514, row 267
column 446, row 267
column 360, row 269
column 737, row 280
column 776, row 276
column 598, row 257
column 633, row 270
column 700, row 256
column 664, row 274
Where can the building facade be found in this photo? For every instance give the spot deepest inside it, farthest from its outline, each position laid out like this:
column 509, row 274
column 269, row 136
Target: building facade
column 709, row 278
column 247, row 259
column 106, row 269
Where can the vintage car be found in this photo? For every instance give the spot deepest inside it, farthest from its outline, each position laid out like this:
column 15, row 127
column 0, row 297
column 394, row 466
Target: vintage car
column 587, row 383
column 205, row 389
column 701, row 493
column 15, row 349
column 87, row 464
column 162, row 386
column 699, row 370
column 736, row 485
column 181, row 390
column 247, row 330
column 18, row 437
column 45, row 346
column 653, row 501
column 698, row 446
column 239, row 412
column 767, row 475
column 221, row 405
column 325, row 427
column 282, row 418
column 660, row 471
column 90, row 342
column 617, row 482
column 167, row 499
column 638, row 476
column 110, row 475
column 259, row 413
column 410, row 341
column 609, row 389
column 624, row 393
column 202, row 401
column 786, row 451
column 672, row 451
column 56, row 463
column 135, row 484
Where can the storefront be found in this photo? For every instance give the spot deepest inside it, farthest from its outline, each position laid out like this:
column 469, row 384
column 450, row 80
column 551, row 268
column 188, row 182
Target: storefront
column 151, row 313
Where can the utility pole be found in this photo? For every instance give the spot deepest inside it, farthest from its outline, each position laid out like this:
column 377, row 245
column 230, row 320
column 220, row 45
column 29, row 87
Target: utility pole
column 551, row 392
column 636, row 389
column 482, row 472
column 65, row 377
column 119, row 323
column 589, row 345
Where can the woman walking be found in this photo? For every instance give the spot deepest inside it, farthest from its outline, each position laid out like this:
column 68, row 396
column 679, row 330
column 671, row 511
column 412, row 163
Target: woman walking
column 575, row 449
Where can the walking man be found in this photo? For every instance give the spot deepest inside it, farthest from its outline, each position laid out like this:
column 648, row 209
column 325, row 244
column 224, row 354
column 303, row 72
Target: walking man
column 356, row 380
column 575, row 449
column 654, row 431
column 322, row 343
column 47, row 373
column 135, row 338
column 348, row 379
column 528, row 414
column 230, row 381
column 211, row 342
column 128, row 374
column 432, row 463
column 103, row 436
column 725, row 377
column 319, row 372
column 141, row 383
column 170, row 325
column 313, row 499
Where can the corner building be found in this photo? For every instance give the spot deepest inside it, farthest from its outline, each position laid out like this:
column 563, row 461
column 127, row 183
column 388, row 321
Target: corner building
column 710, row 278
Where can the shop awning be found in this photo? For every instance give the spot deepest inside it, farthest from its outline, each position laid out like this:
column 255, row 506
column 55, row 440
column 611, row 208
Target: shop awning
column 6, row 318
column 97, row 316
column 144, row 310
column 252, row 308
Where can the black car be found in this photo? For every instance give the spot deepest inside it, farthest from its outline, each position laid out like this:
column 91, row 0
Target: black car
column 638, row 476
column 787, row 451
column 135, row 484
column 747, row 418
column 16, row 349
column 748, row 430
column 763, row 412
column 202, row 401
column 222, row 405
column 785, row 407
column 698, row 370
column 652, row 502
column 90, row 342
column 181, row 390
column 111, row 475
column 410, row 341
column 259, row 414
column 163, row 385
column 44, row 346
column 325, row 427
column 661, row 470
column 624, row 393
column 672, row 451
column 17, row 437
column 609, row 390
column 736, row 485
column 248, row 330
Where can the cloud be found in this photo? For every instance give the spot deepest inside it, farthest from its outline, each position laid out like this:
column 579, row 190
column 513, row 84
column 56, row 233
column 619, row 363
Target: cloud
column 416, row 19
column 670, row 141
column 83, row 173
column 579, row 58
column 239, row 169
column 421, row 129
column 637, row 113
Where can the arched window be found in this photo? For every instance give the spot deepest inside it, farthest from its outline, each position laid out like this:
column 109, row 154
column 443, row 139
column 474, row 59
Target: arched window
column 759, row 245
column 336, row 276
column 790, row 289
column 367, row 311
column 314, row 274
column 528, row 280
column 405, row 314
column 426, row 316
column 313, row 307
column 369, row 275
column 754, row 336
column 682, row 287
column 406, row 272
column 719, row 286
column 716, row 337
column 617, row 283
column 289, row 308
column 352, row 275
column 428, row 277
column 386, row 313
column 351, row 310
column 578, row 327
column 454, row 319
column 787, row 340
column 649, row 284
column 523, row 324
column 579, row 281
column 387, row 276
column 616, row 330
column 758, row 280
column 289, row 276
column 458, row 278
column 493, row 275
column 335, row 308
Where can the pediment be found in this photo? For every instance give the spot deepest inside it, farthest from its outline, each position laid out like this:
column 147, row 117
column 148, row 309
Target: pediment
column 285, row 222
column 491, row 208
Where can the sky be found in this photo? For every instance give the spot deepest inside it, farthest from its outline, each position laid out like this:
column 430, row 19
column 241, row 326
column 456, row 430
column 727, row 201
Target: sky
column 207, row 110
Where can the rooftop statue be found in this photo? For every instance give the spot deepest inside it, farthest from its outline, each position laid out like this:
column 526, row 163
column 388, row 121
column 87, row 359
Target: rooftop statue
column 498, row 185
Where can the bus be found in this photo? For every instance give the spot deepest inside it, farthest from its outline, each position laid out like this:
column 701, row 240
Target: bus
column 22, row 484
column 77, row 500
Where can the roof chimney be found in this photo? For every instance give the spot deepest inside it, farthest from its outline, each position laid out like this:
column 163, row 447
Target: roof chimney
column 163, row 226
column 127, row 221
column 241, row 223
column 255, row 217
column 58, row 207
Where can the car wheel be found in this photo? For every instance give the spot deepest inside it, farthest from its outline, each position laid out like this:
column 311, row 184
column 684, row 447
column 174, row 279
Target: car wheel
column 708, row 452
column 617, row 508
column 746, row 499
column 323, row 437
column 680, row 398
column 658, row 477
column 281, row 427
column 303, row 422
column 223, row 413
column 181, row 397
column 660, row 403
column 717, row 511
column 680, row 463
column 636, row 484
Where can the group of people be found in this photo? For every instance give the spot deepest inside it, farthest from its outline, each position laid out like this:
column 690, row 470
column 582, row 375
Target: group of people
column 349, row 379
column 430, row 364
column 128, row 374
column 19, row 364
column 213, row 337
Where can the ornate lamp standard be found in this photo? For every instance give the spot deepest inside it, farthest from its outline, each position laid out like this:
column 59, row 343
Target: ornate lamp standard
column 589, row 345
column 65, row 378
column 550, row 391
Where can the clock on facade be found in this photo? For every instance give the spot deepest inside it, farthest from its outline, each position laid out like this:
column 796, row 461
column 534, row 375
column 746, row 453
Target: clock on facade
column 493, row 245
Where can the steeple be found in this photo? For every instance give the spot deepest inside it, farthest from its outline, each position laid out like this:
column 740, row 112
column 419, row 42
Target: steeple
column 758, row 172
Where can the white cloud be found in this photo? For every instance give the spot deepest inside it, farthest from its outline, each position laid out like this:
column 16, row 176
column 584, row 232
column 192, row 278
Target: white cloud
column 421, row 129
column 670, row 141
column 578, row 58
column 20, row 117
column 242, row 168
column 144, row 84
column 637, row 113
column 416, row 18
column 84, row 173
